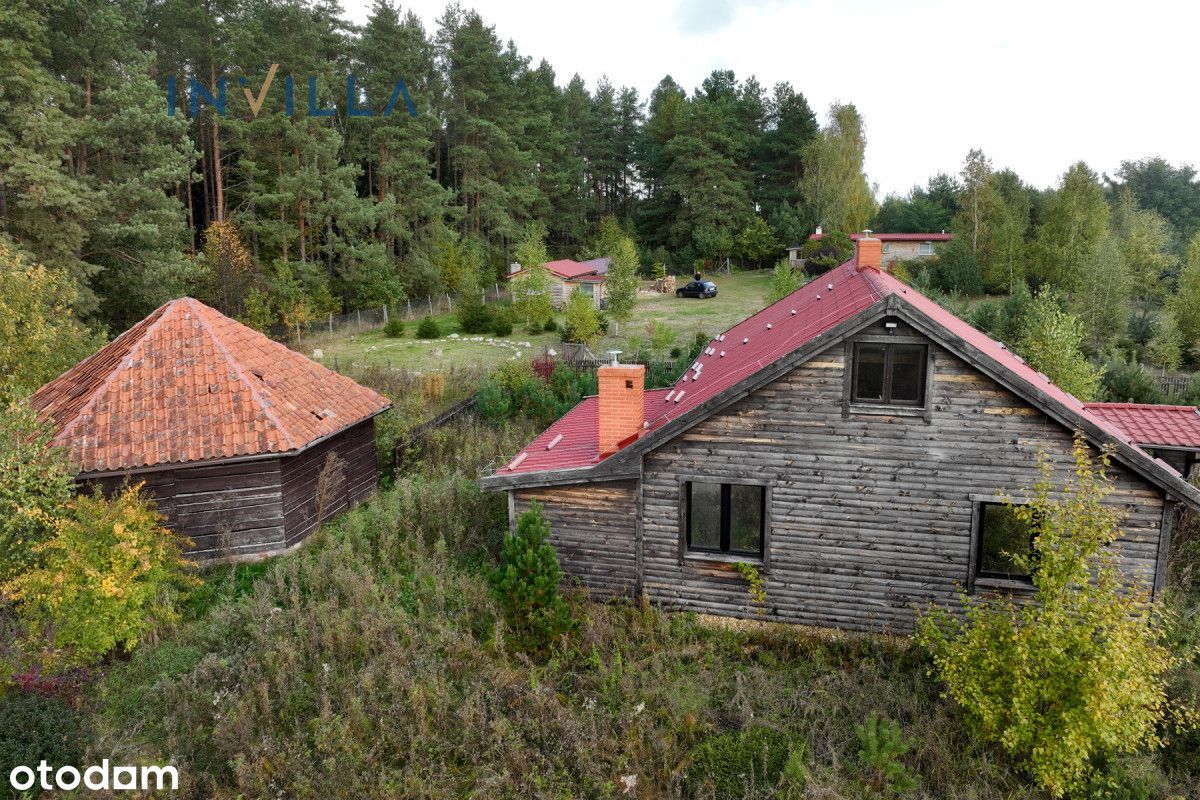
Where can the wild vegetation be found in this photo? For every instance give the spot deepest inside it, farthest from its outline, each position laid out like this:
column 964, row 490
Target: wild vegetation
column 387, row 658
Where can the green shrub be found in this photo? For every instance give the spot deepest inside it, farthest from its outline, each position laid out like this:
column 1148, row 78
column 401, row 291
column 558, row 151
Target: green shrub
column 1126, row 381
column 33, row 728
column 1076, row 676
column 502, row 326
column 739, row 764
column 35, row 486
column 880, row 746
column 394, row 328
column 473, row 315
column 428, row 329
column 107, row 578
column 551, row 326
column 525, row 584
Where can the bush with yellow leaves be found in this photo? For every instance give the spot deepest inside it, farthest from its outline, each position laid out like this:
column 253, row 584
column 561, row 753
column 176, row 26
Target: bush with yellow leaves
column 106, row 578
column 1075, row 677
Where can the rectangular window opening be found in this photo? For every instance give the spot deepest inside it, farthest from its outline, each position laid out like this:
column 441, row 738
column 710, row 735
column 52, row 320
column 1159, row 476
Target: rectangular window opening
column 1002, row 535
column 727, row 518
column 890, row 374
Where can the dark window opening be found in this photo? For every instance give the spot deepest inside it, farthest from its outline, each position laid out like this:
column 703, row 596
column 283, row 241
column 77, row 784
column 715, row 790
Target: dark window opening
column 726, row 518
column 891, row 374
column 1001, row 536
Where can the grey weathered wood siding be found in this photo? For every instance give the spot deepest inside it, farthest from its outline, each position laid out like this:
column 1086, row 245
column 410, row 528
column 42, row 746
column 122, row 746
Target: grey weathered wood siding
column 231, row 509
column 871, row 515
column 258, row 507
column 350, row 484
column 593, row 528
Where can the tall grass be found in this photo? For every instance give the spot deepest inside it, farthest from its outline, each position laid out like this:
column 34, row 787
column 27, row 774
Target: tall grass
column 373, row 663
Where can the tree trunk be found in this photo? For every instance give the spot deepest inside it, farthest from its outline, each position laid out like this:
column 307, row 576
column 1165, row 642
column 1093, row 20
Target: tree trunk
column 218, row 182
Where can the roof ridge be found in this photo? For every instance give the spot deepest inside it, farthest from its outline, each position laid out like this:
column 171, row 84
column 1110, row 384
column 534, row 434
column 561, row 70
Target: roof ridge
column 1147, row 406
column 237, row 368
column 138, row 343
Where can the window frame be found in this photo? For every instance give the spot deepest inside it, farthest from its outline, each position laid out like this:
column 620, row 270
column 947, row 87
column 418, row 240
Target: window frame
column 688, row 553
column 925, row 249
column 888, row 345
column 991, row 581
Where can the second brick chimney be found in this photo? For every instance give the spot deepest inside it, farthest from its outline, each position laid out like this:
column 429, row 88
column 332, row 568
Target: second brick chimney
column 622, row 413
column 869, row 252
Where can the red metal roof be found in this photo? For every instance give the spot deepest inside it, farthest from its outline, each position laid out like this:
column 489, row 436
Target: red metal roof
column 898, row 237
column 1146, row 424
column 758, row 341
column 190, row 384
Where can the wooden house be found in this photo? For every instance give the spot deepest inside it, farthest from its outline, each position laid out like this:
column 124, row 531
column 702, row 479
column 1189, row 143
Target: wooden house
column 852, row 442
column 566, row 276
column 245, row 445
column 895, row 246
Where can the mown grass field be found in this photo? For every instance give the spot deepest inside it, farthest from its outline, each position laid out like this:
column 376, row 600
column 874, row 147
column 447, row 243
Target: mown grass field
column 741, row 294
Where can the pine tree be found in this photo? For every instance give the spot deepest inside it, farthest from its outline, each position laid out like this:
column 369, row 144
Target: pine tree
column 525, row 584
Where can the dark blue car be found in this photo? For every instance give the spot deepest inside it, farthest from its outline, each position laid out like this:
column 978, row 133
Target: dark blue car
column 699, row 289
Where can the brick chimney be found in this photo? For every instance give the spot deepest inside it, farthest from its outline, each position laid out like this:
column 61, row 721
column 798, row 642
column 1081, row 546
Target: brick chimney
column 622, row 409
column 869, row 252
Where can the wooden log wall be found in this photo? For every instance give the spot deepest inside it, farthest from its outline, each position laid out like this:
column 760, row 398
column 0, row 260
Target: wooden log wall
column 871, row 515
column 354, row 481
column 227, row 510
column 593, row 529
column 259, row 507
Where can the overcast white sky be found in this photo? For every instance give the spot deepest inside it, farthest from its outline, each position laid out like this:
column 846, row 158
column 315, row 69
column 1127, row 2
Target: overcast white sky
column 1037, row 85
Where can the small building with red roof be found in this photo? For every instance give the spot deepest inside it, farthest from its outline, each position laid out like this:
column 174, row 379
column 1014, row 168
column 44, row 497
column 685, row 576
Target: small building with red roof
column 896, row 246
column 1171, row 433
column 853, row 442
column 568, row 275
column 245, row 444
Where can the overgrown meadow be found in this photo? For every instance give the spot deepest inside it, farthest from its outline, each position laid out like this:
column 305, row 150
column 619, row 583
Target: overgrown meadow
column 375, row 663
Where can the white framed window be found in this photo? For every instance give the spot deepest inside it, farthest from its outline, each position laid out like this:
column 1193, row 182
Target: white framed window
column 925, row 249
column 887, row 247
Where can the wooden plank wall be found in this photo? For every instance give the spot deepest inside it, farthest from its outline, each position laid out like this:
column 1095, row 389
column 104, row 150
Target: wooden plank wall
column 225, row 509
column 593, row 529
column 871, row 515
column 355, row 482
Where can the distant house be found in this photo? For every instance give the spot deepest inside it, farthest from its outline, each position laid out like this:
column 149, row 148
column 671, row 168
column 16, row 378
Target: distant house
column 896, row 246
column 587, row 276
column 851, row 442
column 245, row 445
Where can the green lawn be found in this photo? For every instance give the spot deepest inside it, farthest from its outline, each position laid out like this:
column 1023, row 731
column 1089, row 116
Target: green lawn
column 741, row 294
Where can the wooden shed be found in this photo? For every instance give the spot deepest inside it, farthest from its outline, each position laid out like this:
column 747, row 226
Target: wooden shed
column 245, row 445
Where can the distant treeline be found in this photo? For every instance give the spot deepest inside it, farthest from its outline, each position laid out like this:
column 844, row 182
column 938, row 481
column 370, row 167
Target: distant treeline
column 306, row 215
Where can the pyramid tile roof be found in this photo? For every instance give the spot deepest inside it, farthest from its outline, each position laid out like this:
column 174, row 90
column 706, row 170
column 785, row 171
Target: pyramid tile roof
column 189, row 384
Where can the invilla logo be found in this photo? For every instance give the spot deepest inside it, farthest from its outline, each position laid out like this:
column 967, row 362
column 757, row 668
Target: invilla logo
column 198, row 91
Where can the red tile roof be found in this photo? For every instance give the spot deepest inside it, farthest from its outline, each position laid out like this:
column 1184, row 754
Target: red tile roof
column 898, row 237
column 1146, row 424
column 758, row 341
column 189, row 384
column 568, row 269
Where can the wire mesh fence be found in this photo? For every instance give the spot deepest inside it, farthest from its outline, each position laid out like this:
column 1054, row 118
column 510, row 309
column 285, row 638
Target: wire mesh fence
column 370, row 318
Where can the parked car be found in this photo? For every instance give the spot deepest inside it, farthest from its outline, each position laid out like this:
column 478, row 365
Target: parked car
column 699, row 289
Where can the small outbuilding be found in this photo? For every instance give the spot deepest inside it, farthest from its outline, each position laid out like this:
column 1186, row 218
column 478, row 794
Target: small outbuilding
column 245, row 444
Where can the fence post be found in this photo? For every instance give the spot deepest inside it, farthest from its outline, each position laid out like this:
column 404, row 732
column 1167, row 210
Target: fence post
column 449, row 305
column 484, row 296
column 409, row 301
column 359, row 312
column 430, row 299
column 385, row 319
